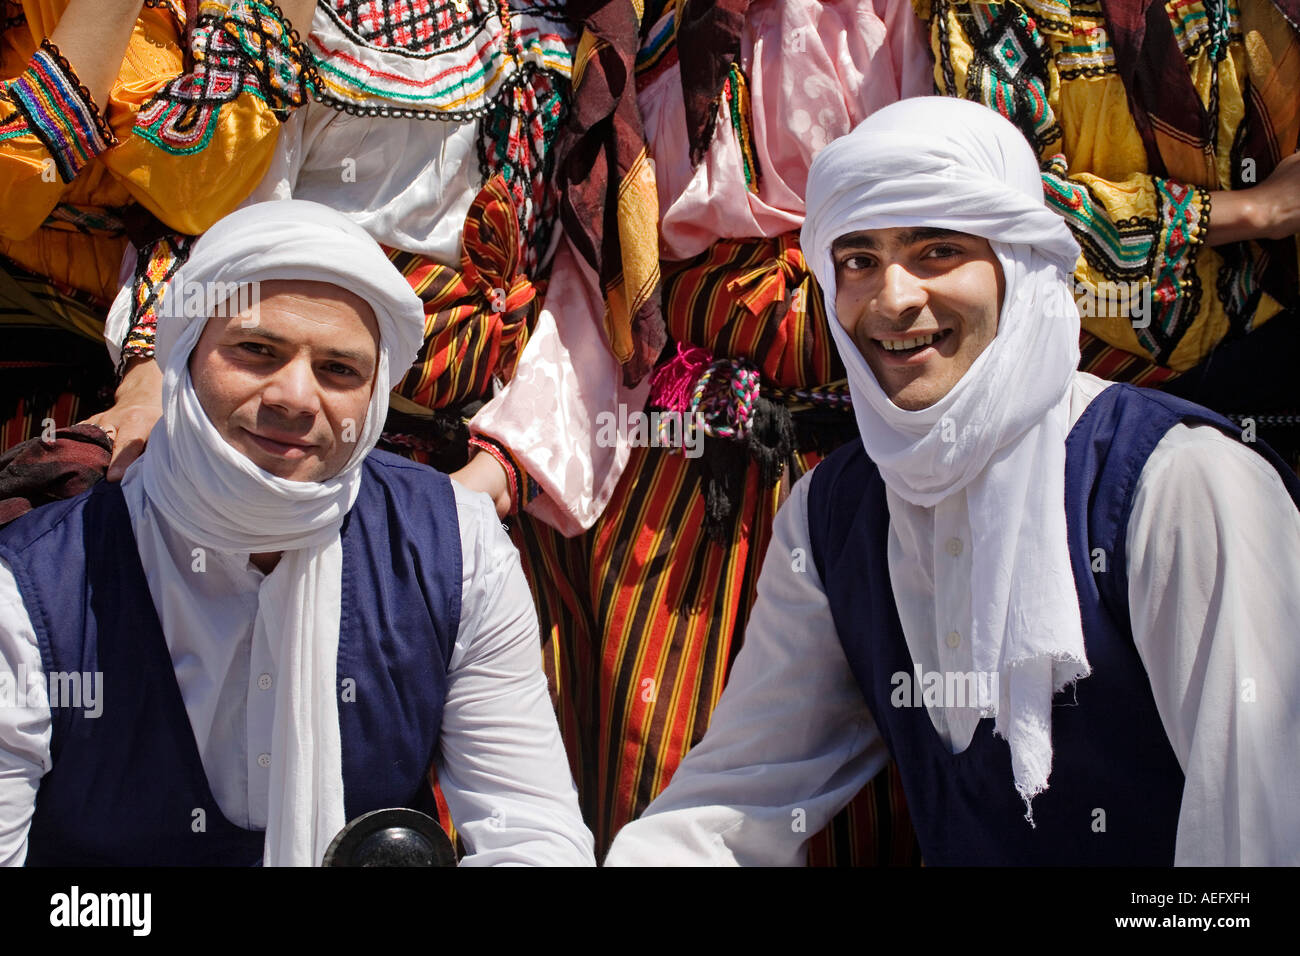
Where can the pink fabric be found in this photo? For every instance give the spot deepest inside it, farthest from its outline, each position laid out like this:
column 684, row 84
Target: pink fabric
column 815, row 71
column 548, row 413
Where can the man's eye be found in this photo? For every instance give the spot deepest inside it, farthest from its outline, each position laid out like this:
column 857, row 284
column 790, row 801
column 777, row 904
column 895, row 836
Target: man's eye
column 334, row 368
column 255, row 348
column 944, row 252
column 856, row 263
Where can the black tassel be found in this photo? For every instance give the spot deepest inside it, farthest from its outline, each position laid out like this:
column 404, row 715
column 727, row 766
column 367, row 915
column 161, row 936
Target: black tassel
column 724, row 463
column 770, row 440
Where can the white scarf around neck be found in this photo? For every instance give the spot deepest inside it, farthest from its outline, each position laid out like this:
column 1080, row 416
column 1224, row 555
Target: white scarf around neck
column 214, row 496
column 999, row 434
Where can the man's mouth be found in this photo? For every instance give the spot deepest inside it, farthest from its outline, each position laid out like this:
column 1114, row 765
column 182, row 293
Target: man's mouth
column 283, row 445
column 913, row 345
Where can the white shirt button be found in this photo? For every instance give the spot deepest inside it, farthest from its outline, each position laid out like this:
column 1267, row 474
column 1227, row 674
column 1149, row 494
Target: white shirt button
column 953, row 639
column 954, row 546
column 264, row 760
column 264, row 682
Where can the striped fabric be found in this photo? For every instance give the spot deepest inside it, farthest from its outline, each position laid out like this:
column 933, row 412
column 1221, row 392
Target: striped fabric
column 31, row 420
column 754, row 299
column 642, row 616
column 1106, row 361
column 477, row 318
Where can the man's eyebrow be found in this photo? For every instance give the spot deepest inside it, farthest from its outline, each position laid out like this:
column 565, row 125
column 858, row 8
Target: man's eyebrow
column 361, row 358
column 862, row 240
column 854, row 240
column 923, row 234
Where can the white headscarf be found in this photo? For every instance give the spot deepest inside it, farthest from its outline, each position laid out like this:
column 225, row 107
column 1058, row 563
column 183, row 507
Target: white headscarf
column 953, row 164
column 216, row 497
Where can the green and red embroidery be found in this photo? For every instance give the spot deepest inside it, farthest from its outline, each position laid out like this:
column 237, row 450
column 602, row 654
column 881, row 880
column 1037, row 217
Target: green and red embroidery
column 247, row 49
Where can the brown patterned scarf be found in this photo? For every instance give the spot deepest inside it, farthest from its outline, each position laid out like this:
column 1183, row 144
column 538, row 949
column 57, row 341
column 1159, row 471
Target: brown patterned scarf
column 610, row 207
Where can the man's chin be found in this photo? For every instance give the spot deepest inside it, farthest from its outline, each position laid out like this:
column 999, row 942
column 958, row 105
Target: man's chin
column 307, row 468
column 913, row 395
column 914, row 400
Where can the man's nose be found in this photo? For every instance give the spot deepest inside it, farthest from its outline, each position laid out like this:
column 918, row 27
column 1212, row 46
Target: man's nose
column 293, row 388
column 901, row 293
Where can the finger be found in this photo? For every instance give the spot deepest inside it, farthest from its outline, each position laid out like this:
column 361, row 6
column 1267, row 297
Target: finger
column 124, row 453
column 97, row 421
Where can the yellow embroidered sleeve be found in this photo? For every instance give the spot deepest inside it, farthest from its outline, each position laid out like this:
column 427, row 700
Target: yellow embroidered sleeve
column 201, row 141
column 49, row 131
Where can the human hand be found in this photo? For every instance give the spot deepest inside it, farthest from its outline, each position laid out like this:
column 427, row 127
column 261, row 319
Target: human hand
column 136, row 409
column 1277, row 200
column 1270, row 210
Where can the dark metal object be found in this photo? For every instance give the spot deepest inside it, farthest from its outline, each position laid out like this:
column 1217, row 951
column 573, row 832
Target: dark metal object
column 397, row 837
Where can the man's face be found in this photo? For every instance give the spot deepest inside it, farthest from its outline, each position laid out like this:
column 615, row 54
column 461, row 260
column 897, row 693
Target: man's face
column 920, row 305
column 291, row 391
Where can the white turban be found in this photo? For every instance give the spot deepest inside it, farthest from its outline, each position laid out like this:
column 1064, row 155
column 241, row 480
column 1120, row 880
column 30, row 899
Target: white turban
column 215, row 496
column 953, row 164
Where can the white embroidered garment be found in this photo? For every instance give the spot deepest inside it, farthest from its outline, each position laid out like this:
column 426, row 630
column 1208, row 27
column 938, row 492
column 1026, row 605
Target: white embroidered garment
column 443, row 57
column 358, row 145
column 218, row 499
column 999, row 435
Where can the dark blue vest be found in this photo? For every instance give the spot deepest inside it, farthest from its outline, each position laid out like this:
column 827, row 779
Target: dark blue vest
column 126, row 786
column 1112, row 764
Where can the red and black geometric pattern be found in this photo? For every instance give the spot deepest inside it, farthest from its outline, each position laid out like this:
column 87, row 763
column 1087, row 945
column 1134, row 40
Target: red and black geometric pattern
column 412, row 26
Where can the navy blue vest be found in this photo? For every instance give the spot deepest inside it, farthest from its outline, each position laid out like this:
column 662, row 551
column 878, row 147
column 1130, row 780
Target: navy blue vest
column 1110, row 751
column 125, row 786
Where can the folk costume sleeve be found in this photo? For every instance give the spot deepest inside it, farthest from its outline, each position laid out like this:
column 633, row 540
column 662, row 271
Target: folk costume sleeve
column 1214, row 557
column 50, row 130
column 790, row 742
column 70, row 168
column 1053, row 67
column 203, row 140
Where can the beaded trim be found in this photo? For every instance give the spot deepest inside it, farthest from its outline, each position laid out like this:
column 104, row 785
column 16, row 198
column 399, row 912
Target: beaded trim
column 1288, row 421
column 429, row 59
column 60, row 111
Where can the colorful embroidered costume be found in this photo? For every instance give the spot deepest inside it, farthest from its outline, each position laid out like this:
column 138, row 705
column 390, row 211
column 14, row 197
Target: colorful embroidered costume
column 1133, row 178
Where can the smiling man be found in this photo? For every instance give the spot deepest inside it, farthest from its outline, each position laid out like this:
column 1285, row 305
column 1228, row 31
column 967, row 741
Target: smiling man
column 284, row 628
column 1065, row 607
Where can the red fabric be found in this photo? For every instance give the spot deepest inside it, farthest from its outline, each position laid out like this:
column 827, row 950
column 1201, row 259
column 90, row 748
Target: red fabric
column 36, row 472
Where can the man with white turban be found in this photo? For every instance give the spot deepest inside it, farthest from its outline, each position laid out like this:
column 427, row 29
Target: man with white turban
column 271, row 628
column 1066, row 607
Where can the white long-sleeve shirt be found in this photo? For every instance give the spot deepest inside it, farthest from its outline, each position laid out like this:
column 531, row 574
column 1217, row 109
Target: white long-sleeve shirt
column 1214, row 598
column 501, row 765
